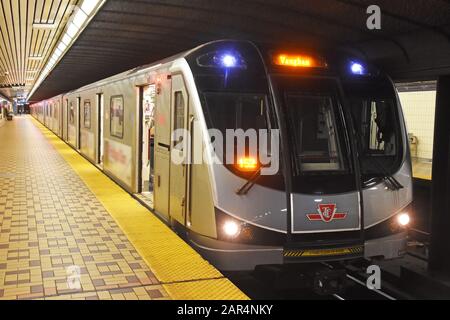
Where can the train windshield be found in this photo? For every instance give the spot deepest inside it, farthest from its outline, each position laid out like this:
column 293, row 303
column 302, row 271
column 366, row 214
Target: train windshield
column 314, row 133
column 232, row 111
column 376, row 119
column 315, row 126
column 236, row 114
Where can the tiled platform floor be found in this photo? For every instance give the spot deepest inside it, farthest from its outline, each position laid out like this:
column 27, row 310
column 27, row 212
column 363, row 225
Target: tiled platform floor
column 50, row 221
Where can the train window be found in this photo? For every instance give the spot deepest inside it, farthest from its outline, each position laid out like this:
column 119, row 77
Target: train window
column 378, row 137
column 376, row 119
column 382, row 133
column 316, row 145
column 179, row 111
column 117, row 116
column 87, row 114
column 71, row 114
column 237, row 111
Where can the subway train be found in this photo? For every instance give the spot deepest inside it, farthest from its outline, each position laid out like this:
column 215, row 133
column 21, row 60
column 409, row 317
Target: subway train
column 336, row 184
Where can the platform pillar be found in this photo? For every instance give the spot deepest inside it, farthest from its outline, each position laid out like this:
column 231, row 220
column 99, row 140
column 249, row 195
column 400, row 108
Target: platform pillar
column 439, row 260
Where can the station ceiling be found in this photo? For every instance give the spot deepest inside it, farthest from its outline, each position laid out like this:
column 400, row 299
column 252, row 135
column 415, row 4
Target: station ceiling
column 413, row 43
column 28, row 32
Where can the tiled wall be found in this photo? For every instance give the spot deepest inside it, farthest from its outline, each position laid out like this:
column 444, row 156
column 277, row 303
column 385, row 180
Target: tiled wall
column 419, row 109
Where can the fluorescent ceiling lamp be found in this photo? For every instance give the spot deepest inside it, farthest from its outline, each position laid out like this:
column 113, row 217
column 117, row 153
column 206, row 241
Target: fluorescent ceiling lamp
column 66, row 39
column 89, row 5
column 80, row 18
column 62, row 46
column 58, row 52
column 44, row 25
column 81, row 15
column 56, row 55
column 72, row 30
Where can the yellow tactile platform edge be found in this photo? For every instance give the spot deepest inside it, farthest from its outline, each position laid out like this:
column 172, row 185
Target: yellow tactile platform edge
column 422, row 176
column 183, row 272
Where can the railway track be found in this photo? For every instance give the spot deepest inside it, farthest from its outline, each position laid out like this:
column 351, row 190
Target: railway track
column 356, row 288
column 361, row 292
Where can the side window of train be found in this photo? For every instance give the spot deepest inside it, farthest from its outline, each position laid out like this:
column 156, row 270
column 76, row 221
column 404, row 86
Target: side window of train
column 374, row 120
column 117, row 117
column 87, row 114
column 382, row 133
column 71, row 113
column 179, row 111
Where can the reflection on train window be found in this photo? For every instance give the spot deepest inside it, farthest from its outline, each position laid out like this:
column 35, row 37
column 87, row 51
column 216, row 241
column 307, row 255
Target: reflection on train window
column 234, row 111
column 314, row 134
column 382, row 132
column 87, row 114
column 375, row 121
column 179, row 111
column 71, row 114
column 117, row 114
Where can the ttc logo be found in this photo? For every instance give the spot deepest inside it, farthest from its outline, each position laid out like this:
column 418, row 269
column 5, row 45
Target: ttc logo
column 326, row 213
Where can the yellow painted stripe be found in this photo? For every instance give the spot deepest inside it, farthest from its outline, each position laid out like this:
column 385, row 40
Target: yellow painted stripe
column 323, row 252
column 422, row 176
column 184, row 273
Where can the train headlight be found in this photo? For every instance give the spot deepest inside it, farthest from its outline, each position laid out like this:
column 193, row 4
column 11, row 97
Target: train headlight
column 231, row 229
column 404, row 219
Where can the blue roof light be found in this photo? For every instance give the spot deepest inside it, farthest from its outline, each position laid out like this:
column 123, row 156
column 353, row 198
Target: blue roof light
column 223, row 59
column 357, row 68
column 229, row 61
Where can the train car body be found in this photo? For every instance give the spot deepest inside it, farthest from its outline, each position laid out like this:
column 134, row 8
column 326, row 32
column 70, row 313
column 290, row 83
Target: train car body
column 343, row 187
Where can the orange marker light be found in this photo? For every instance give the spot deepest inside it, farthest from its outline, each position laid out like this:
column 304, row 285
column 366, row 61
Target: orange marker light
column 247, row 164
column 298, row 61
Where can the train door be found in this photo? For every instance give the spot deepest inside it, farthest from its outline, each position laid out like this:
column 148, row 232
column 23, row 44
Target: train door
column 148, row 105
column 178, row 167
column 100, row 126
column 78, row 124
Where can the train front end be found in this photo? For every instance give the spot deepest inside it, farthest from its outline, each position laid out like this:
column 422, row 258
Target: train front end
column 314, row 163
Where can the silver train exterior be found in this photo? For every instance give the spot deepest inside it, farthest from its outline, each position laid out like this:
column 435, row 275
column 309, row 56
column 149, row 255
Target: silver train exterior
column 345, row 179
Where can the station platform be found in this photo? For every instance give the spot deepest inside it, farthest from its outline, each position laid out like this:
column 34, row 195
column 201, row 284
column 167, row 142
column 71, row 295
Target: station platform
column 59, row 213
column 422, row 170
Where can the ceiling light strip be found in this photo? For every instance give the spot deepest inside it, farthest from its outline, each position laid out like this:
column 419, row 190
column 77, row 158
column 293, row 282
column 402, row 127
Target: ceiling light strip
column 75, row 26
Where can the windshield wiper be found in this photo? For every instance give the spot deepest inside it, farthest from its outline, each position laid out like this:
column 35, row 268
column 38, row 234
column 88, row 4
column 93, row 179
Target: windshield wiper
column 249, row 184
column 393, row 184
